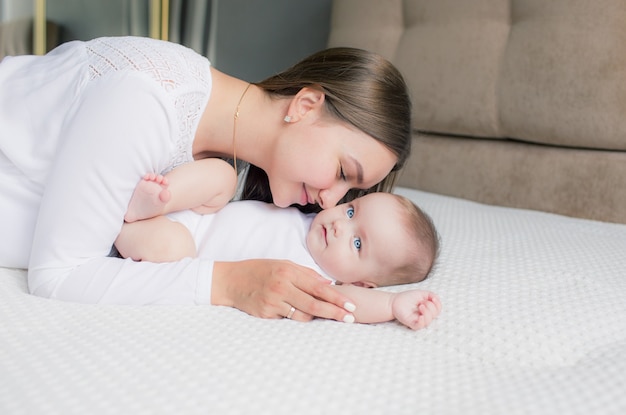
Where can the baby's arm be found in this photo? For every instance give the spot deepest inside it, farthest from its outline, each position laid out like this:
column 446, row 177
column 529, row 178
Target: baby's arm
column 413, row 308
column 204, row 186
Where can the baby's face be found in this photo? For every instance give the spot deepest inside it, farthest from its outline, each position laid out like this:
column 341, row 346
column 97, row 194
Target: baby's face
column 356, row 241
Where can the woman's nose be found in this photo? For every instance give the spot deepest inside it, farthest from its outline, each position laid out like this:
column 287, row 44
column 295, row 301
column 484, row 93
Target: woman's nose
column 330, row 197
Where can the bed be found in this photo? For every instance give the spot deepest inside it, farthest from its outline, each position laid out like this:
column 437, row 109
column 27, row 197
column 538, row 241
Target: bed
column 519, row 155
column 533, row 322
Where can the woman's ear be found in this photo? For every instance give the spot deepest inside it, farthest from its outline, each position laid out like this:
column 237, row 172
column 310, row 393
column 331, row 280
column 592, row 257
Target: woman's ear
column 307, row 102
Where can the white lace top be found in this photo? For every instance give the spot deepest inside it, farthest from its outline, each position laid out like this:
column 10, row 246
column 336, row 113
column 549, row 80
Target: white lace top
column 183, row 74
column 78, row 128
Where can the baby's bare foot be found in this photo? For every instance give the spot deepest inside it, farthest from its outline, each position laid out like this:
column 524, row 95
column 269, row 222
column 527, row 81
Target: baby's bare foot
column 149, row 198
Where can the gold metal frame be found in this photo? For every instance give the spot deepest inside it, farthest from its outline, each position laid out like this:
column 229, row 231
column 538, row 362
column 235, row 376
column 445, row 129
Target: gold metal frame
column 158, row 29
column 39, row 28
column 159, row 19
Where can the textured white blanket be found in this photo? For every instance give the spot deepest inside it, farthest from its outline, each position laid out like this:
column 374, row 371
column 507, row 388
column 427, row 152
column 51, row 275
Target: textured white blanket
column 533, row 322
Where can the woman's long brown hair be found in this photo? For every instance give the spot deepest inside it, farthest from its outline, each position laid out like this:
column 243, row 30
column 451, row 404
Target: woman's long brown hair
column 362, row 89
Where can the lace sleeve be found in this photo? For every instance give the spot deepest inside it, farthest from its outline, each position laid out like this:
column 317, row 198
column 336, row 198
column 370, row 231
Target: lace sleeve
column 182, row 73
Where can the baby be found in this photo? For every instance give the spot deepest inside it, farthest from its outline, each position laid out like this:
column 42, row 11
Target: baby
column 376, row 240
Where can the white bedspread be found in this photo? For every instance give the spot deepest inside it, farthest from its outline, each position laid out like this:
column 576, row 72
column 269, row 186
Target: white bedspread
column 533, row 322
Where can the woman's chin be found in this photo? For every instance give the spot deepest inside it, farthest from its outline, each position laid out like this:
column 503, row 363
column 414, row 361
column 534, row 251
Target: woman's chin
column 282, row 204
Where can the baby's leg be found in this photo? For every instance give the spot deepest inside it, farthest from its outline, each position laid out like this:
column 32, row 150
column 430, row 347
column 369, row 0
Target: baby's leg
column 156, row 240
column 149, row 198
column 205, row 186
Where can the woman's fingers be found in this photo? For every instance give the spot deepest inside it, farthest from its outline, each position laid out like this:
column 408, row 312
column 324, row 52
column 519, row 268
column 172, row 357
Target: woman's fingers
column 309, row 306
column 268, row 289
column 318, row 299
column 300, row 316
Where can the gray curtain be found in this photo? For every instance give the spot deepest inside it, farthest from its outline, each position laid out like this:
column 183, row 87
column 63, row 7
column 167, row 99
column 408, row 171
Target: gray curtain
column 86, row 19
column 189, row 24
column 136, row 16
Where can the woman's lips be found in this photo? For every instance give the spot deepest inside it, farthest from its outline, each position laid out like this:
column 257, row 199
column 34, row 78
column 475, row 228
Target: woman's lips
column 304, row 196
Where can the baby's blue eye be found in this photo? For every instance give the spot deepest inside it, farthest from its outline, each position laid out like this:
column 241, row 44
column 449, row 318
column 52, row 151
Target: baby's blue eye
column 350, row 212
column 357, row 243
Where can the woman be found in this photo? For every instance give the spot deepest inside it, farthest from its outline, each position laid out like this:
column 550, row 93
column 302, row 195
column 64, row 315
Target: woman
column 81, row 125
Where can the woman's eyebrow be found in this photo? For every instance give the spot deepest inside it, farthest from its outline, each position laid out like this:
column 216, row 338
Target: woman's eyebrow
column 359, row 169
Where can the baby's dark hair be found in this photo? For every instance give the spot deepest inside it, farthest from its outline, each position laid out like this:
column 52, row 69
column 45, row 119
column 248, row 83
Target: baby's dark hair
column 421, row 229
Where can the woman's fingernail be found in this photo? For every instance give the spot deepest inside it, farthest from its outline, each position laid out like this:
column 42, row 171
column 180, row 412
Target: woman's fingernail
column 349, row 318
column 349, row 307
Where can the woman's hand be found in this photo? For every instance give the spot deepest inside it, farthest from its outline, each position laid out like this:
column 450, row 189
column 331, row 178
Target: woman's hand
column 415, row 309
column 269, row 288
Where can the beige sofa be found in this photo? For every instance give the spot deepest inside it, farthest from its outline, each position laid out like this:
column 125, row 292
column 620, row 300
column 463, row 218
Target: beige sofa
column 517, row 103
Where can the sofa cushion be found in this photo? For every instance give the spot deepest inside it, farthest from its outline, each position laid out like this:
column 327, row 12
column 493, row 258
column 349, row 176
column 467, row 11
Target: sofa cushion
column 551, row 72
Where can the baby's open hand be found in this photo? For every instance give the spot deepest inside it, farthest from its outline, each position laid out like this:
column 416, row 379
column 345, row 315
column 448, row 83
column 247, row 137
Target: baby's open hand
column 415, row 308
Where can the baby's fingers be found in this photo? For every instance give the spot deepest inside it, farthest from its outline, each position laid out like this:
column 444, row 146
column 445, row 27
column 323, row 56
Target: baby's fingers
column 432, row 308
column 426, row 316
column 435, row 300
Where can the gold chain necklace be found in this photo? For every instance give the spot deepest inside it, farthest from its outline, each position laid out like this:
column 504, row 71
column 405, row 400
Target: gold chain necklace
column 235, row 128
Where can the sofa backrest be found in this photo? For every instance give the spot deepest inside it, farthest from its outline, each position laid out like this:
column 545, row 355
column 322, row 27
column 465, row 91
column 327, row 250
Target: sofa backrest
column 544, row 71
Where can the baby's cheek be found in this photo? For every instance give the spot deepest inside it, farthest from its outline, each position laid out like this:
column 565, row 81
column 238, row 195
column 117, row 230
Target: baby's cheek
column 339, row 269
column 329, row 264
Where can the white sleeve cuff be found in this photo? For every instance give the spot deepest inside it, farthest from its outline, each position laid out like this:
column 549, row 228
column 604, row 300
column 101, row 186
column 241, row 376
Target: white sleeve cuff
column 204, row 282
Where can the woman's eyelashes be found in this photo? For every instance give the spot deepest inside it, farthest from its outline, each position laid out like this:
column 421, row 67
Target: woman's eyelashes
column 342, row 174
